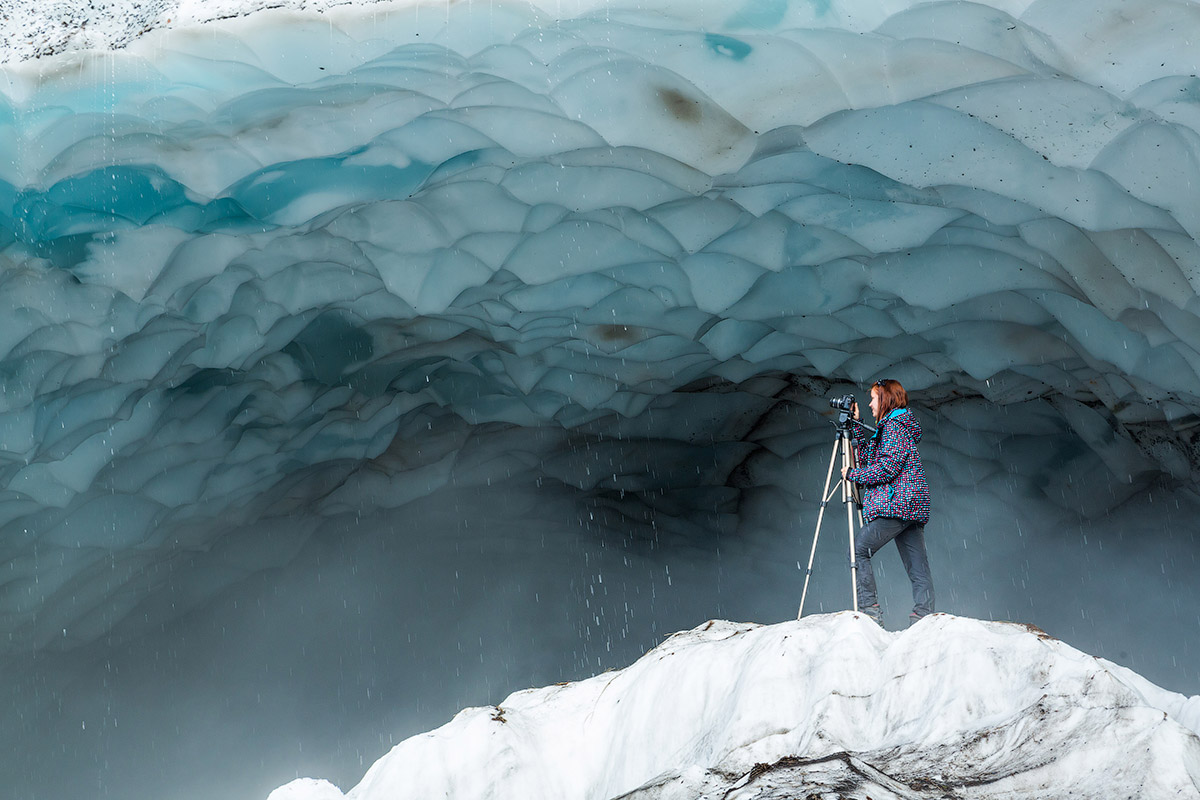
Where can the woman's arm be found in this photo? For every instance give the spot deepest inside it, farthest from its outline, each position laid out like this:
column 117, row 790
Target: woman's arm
column 893, row 452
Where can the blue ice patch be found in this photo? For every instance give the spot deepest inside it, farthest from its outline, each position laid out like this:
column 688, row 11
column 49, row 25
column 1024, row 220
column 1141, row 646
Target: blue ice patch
column 295, row 191
column 100, row 200
column 728, row 46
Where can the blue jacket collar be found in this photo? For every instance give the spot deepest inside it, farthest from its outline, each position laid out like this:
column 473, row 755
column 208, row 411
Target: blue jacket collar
column 895, row 412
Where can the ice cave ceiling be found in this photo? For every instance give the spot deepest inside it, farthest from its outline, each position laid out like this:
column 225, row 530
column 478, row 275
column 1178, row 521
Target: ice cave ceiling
column 330, row 260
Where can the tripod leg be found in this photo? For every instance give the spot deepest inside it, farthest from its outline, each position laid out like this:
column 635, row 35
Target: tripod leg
column 856, row 491
column 848, row 499
column 820, row 514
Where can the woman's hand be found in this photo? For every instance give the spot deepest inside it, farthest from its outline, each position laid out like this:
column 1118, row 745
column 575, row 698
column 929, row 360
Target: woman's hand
column 854, row 408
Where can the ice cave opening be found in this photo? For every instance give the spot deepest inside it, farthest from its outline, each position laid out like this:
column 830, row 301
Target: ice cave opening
column 366, row 360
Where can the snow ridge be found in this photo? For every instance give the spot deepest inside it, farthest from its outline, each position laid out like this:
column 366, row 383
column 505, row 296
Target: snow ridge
column 35, row 29
column 951, row 707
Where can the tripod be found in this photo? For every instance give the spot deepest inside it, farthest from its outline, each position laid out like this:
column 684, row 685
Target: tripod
column 851, row 498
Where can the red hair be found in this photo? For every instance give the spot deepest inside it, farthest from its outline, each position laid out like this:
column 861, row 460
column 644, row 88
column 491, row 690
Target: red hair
column 891, row 396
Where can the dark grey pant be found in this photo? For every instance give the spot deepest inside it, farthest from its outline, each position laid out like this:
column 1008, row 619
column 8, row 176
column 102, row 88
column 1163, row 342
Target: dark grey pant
column 910, row 541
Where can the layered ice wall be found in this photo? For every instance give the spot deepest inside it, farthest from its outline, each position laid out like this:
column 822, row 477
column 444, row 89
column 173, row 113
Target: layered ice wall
column 241, row 256
column 501, row 284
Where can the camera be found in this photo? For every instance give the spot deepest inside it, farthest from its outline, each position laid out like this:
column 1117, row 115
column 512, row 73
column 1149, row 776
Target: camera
column 844, row 403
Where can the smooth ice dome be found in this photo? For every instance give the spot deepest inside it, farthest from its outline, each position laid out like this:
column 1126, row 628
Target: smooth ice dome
column 397, row 355
column 828, row 705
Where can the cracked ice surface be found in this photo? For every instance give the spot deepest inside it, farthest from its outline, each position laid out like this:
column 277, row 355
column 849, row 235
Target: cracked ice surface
column 334, row 266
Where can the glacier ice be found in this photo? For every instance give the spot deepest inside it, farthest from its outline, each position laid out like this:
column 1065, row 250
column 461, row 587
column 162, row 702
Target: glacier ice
column 293, row 290
column 827, row 706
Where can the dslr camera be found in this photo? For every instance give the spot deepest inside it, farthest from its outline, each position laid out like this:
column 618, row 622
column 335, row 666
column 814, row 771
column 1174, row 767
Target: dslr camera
column 843, row 403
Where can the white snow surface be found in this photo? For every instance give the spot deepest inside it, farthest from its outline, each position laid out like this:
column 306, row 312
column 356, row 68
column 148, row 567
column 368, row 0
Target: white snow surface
column 830, row 705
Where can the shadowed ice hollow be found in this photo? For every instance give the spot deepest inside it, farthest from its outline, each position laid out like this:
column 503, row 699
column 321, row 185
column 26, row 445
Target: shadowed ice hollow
column 363, row 361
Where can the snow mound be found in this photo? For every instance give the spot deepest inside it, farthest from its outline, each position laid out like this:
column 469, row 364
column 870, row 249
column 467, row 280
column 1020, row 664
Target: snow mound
column 307, row 789
column 831, row 703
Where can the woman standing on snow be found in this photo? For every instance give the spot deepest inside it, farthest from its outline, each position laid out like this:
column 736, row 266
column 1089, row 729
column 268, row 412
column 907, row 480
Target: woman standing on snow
column 896, row 502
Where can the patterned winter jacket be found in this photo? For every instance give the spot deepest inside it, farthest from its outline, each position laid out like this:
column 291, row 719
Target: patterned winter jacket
column 890, row 469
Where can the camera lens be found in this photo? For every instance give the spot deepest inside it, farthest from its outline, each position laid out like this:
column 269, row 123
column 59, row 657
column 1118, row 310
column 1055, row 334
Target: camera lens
column 844, row 403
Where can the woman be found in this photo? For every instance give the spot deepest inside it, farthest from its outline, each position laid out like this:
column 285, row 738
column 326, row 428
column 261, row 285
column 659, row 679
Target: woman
column 896, row 502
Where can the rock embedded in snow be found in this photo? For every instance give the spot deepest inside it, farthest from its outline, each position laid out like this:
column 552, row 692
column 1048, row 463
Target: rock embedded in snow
column 827, row 706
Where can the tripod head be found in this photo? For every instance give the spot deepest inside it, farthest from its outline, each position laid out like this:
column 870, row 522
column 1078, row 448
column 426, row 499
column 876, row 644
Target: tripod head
column 846, row 421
